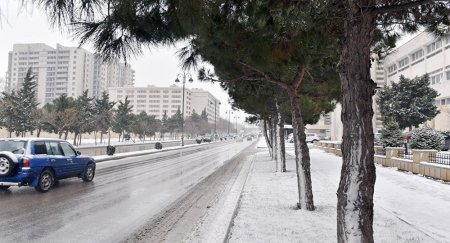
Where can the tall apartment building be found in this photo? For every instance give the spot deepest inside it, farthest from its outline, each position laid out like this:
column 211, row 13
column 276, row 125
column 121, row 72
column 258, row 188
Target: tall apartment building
column 155, row 100
column 63, row 70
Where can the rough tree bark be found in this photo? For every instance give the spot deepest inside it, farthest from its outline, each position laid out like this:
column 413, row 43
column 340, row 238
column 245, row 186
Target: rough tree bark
column 282, row 145
column 356, row 187
column 302, row 161
column 267, row 137
column 281, row 155
column 275, row 140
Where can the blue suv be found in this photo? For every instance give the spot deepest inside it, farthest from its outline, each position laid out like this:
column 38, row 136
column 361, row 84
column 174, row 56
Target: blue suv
column 40, row 163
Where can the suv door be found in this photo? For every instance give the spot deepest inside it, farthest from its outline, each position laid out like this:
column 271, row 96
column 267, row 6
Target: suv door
column 76, row 163
column 57, row 159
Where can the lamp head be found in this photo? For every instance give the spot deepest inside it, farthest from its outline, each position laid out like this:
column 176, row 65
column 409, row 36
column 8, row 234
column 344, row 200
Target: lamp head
column 191, row 80
column 177, row 80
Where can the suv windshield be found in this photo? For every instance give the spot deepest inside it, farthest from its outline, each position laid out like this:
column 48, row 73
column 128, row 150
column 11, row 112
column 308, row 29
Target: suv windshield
column 16, row 147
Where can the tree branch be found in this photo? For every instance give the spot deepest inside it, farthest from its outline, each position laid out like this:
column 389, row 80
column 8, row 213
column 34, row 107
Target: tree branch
column 298, row 78
column 403, row 6
column 265, row 76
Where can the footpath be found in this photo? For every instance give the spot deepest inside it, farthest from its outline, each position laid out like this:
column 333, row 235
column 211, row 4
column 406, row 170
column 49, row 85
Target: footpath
column 408, row 207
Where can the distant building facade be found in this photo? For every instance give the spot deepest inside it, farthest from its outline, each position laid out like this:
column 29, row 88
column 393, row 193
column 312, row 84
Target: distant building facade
column 155, row 100
column 64, row 70
column 424, row 54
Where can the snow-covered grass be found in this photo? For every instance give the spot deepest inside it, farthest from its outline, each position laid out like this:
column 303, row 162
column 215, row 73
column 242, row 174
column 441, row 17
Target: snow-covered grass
column 408, row 208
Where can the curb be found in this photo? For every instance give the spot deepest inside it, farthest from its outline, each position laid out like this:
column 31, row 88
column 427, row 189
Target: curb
column 238, row 203
column 145, row 152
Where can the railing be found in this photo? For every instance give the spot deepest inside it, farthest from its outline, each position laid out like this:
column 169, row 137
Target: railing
column 440, row 158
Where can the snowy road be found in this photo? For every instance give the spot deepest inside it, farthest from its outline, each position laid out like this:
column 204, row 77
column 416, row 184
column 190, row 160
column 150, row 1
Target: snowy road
column 125, row 194
column 408, row 208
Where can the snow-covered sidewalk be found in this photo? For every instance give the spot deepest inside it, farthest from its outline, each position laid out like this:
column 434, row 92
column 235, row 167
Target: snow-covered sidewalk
column 408, row 208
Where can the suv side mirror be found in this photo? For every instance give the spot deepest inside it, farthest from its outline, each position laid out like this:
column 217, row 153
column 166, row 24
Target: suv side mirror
column 78, row 152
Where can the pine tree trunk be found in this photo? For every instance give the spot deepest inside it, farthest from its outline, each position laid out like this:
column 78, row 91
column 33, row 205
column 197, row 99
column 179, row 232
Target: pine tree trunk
column 101, row 137
column 38, row 134
column 302, row 160
column 75, row 139
column 95, row 137
column 66, row 134
column 269, row 146
column 356, row 187
column 275, row 140
column 282, row 147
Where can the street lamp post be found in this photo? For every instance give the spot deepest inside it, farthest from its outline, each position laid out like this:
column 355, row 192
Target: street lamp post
column 183, row 75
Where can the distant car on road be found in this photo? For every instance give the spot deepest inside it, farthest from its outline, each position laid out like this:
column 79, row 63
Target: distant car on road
column 40, row 163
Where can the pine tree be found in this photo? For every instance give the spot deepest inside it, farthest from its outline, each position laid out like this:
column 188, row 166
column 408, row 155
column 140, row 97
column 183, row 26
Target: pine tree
column 122, row 118
column 391, row 135
column 427, row 138
column 410, row 101
column 27, row 101
column 103, row 114
column 9, row 110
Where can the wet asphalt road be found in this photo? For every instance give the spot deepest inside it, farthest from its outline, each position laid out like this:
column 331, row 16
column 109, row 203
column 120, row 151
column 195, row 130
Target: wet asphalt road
column 125, row 194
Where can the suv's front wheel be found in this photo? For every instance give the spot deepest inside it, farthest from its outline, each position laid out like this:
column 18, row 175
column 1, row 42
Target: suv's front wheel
column 89, row 173
column 46, row 181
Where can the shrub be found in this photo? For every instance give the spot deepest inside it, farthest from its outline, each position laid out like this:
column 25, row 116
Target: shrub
column 110, row 150
column 391, row 136
column 158, row 145
column 427, row 138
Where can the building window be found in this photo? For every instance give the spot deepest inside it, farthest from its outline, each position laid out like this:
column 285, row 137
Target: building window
column 448, row 75
column 434, row 46
column 403, row 62
column 436, row 78
column 416, row 55
column 392, row 68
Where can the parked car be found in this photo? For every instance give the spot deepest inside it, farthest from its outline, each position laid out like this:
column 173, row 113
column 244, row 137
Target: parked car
column 207, row 139
column 290, row 138
column 312, row 137
column 40, row 163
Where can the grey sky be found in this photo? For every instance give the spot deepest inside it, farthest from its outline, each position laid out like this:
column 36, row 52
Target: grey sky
column 157, row 66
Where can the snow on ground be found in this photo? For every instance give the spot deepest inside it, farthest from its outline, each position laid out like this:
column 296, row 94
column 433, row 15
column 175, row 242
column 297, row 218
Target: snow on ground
column 408, row 208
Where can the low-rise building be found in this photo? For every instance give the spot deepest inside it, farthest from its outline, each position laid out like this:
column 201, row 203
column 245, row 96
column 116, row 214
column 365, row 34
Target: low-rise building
column 157, row 100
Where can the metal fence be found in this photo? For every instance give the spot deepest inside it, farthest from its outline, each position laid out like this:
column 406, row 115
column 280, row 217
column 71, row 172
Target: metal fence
column 440, row 158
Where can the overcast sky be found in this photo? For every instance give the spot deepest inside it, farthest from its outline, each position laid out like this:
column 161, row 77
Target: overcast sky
column 158, row 66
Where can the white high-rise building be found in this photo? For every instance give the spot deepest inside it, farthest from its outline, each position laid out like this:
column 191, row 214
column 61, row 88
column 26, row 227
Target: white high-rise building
column 155, row 100
column 63, row 70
